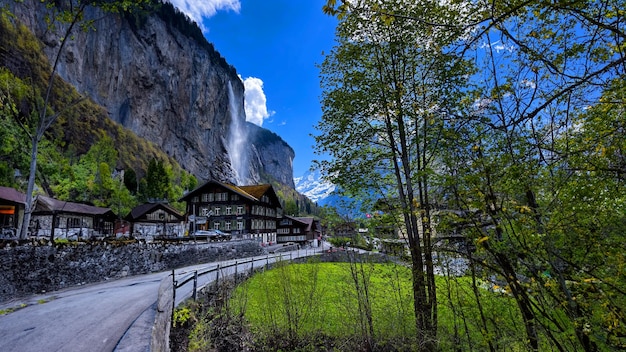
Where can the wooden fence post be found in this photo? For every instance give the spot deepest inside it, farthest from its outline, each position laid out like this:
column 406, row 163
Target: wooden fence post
column 195, row 284
column 173, row 296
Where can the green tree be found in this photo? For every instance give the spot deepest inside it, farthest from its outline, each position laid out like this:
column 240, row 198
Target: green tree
column 156, row 184
column 329, row 217
column 534, row 159
column 130, row 180
column 12, row 90
column 541, row 64
column 291, row 208
column 62, row 19
column 386, row 104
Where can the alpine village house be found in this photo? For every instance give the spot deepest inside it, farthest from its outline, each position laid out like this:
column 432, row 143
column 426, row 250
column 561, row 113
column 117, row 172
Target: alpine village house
column 249, row 212
column 243, row 212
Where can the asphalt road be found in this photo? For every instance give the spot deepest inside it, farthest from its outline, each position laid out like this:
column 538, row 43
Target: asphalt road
column 109, row 316
column 87, row 318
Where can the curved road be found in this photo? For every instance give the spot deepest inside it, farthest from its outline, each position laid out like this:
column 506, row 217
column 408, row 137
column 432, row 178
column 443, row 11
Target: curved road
column 110, row 316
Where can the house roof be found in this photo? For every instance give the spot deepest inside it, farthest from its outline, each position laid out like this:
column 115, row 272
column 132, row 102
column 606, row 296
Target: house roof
column 253, row 192
column 298, row 220
column 240, row 191
column 12, row 195
column 308, row 221
column 141, row 210
column 257, row 191
column 46, row 205
column 233, row 188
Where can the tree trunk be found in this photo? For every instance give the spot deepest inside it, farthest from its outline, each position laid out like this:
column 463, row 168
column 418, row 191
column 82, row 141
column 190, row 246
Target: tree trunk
column 28, row 209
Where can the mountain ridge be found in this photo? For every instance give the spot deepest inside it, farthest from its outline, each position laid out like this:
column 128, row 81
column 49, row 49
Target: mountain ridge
column 311, row 185
column 166, row 87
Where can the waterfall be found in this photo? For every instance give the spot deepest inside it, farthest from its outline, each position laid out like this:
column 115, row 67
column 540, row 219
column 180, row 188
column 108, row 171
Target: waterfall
column 237, row 140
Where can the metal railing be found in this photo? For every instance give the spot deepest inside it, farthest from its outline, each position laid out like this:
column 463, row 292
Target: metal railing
column 195, row 275
column 166, row 301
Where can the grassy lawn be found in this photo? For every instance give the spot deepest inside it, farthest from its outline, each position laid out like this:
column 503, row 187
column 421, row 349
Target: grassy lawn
column 323, row 299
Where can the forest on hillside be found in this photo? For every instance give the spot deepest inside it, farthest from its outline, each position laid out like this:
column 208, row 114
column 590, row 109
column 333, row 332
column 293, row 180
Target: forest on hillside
column 83, row 156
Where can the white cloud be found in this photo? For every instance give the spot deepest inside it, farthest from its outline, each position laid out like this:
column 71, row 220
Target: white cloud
column 528, row 84
column 255, row 102
column 199, row 9
column 498, row 46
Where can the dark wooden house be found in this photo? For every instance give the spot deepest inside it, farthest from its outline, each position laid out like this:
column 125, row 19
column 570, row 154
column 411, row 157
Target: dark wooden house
column 290, row 229
column 55, row 218
column 155, row 219
column 345, row 229
column 303, row 230
column 243, row 211
column 12, row 204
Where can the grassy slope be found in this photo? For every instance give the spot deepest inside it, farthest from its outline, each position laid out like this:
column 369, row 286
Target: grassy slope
column 321, row 298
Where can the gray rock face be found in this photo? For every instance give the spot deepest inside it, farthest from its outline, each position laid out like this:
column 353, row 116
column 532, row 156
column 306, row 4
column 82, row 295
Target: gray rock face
column 271, row 154
column 163, row 85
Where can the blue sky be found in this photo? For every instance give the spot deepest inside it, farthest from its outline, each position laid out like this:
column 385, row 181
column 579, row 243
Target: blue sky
column 275, row 46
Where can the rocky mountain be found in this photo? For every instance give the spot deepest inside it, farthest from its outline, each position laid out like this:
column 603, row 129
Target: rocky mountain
column 314, row 188
column 271, row 155
column 324, row 193
column 156, row 75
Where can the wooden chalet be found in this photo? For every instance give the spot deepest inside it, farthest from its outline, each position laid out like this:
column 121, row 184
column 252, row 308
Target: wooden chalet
column 154, row 219
column 301, row 230
column 345, row 229
column 12, row 204
column 243, row 211
column 55, row 219
column 290, row 229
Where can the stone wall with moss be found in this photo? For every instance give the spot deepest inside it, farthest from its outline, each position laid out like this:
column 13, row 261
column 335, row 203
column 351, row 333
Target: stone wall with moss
column 31, row 269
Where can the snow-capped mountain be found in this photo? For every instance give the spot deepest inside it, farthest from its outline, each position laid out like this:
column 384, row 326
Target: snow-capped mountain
column 313, row 187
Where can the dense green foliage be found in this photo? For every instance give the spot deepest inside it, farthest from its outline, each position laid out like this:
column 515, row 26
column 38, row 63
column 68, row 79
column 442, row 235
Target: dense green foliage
column 83, row 149
column 504, row 121
column 293, row 202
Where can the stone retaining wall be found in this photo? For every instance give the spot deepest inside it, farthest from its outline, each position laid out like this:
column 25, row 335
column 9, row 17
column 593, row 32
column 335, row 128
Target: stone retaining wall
column 32, row 269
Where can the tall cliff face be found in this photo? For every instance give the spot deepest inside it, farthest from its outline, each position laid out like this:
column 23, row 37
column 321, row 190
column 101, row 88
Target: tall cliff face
column 271, row 154
column 163, row 85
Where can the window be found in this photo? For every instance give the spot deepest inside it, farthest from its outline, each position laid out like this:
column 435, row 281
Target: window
column 216, row 225
column 73, row 222
column 194, row 199
column 216, row 211
column 239, row 210
column 204, row 211
column 211, row 197
column 228, row 210
column 234, row 197
column 227, row 226
column 205, row 197
column 239, row 225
